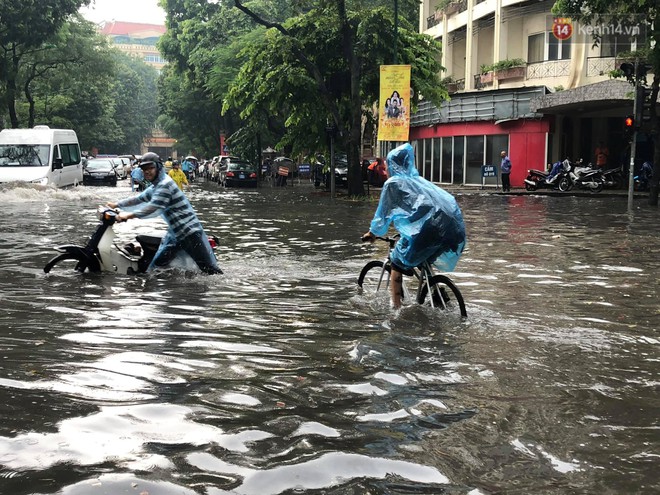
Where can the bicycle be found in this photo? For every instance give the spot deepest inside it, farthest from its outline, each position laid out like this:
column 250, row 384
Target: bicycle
column 445, row 294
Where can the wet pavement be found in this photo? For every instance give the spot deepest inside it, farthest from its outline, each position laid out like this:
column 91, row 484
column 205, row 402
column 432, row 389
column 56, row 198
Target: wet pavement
column 278, row 377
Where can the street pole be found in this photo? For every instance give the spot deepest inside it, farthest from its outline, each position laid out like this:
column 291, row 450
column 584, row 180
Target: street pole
column 633, row 146
column 332, row 164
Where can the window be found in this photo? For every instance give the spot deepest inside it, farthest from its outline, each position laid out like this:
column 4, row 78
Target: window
column 459, row 153
column 558, row 49
column 494, row 146
column 446, row 160
column 538, row 50
column 474, row 159
column 612, row 44
column 70, row 154
column 535, row 48
column 437, row 155
column 428, row 148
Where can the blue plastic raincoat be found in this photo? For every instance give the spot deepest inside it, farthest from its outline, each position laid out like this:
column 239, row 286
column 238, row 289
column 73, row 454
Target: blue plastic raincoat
column 185, row 231
column 427, row 217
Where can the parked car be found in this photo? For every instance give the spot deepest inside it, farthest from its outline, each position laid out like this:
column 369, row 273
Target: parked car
column 100, row 172
column 238, row 173
column 120, row 166
column 321, row 172
column 341, row 170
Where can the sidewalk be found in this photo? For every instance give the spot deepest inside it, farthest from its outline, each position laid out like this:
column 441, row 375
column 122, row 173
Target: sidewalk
column 605, row 193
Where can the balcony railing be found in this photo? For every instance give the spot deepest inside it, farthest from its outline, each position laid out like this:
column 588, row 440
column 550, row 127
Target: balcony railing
column 434, row 20
column 551, row 68
column 600, row 66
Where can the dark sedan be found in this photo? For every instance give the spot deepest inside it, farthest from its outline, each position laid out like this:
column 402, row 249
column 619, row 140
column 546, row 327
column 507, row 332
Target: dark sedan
column 239, row 173
column 99, row 172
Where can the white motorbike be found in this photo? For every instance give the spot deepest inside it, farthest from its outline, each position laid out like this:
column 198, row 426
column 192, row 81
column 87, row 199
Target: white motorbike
column 104, row 253
column 582, row 177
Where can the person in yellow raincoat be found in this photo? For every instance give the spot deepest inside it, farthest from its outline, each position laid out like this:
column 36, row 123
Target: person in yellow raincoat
column 178, row 175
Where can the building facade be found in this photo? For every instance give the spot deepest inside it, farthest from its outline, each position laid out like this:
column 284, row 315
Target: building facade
column 140, row 41
column 523, row 81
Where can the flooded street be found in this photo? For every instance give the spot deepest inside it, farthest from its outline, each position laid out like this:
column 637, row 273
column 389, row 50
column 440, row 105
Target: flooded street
column 279, row 378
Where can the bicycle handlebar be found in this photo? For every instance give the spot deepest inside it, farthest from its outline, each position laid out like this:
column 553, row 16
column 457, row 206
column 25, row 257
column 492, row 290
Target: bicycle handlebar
column 390, row 240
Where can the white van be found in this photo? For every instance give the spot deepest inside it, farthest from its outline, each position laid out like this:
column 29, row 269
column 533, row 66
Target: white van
column 40, row 155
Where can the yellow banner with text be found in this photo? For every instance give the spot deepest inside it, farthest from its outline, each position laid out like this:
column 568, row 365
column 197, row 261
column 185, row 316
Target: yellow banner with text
column 394, row 106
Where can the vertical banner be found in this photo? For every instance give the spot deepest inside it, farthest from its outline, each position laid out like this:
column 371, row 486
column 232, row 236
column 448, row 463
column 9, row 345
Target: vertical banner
column 394, row 106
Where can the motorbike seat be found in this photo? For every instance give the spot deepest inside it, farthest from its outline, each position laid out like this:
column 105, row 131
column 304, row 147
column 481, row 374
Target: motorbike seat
column 149, row 241
column 539, row 172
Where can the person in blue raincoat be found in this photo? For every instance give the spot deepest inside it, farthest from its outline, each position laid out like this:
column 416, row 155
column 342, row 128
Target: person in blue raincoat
column 427, row 217
column 185, row 231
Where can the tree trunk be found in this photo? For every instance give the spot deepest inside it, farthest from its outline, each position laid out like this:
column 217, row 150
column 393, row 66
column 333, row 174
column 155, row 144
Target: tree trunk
column 653, row 183
column 30, row 99
column 11, row 89
column 355, row 186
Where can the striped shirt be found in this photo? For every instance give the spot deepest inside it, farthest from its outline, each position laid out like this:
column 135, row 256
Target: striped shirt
column 165, row 197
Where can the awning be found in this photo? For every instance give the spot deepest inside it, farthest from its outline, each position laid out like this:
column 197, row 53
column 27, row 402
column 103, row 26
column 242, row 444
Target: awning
column 602, row 96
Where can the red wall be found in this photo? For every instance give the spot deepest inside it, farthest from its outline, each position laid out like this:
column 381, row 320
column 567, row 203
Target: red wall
column 526, row 141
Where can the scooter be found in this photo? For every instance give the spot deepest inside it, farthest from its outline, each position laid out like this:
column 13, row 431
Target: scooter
column 614, row 178
column 581, row 177
column 103, row 253
column 538, row 179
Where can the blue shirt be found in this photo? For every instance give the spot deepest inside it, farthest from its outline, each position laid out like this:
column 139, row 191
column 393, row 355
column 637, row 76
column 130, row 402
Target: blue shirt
column 506, row 165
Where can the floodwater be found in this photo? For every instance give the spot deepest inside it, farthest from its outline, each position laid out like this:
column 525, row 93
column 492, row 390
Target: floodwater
column 279, row 378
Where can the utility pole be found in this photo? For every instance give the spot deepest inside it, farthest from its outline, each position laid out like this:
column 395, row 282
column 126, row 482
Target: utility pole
column 633, row 146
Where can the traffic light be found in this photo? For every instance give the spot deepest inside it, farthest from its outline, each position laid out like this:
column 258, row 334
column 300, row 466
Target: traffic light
column 628, row 70
column 643, row 104
column 628, row 127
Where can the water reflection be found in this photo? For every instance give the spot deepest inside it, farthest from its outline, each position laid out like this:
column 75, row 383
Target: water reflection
column 278, row 377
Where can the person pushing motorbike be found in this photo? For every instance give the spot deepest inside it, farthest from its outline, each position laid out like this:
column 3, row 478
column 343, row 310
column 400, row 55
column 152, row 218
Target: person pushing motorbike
column 427, row 217
column 164, row 197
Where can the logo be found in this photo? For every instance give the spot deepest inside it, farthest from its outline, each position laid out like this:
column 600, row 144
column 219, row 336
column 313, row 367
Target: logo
column 562, row 28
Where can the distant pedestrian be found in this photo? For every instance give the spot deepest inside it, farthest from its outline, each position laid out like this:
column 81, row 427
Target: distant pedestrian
column 177, row 175
column 602, row 154
column 505, row 168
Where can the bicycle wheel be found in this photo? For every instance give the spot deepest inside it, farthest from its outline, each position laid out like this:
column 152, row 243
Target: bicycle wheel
column 445, row 295
column 370, row 276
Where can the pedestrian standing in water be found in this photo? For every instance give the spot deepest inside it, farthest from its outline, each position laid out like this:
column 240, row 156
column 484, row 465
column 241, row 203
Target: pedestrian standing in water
column 178, row 175
column 505, row 169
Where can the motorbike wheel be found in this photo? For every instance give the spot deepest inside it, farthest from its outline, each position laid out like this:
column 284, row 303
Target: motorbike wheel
column 565, row 184
column 80, row 267
column 530, row 187
column 597, row 188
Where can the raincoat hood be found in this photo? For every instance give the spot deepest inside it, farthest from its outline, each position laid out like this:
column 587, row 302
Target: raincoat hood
column 401, row 162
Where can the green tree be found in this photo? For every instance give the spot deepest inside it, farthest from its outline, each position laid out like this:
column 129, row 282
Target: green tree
column 324, row 64
column 642, row 11
column 77, row 80
column 203, row 45
column 25, row 26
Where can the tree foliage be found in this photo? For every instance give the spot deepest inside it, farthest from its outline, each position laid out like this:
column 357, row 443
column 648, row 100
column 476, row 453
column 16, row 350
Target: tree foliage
column 321, row 68
column 282, row 70
column 71, row 77
column 25, row 27
column 636, row 11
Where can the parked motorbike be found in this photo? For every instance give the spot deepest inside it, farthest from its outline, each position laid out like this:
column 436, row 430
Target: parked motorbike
column 582, row 177
column 103, row 253
column 643, row 178
column 614, row 178
column 538, row 179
